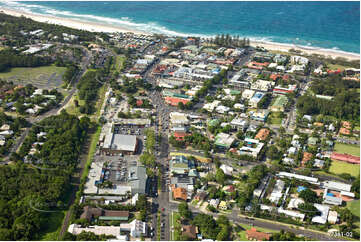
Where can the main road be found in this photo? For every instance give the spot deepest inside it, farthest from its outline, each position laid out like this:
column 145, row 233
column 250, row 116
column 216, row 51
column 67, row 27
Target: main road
column 236, row 217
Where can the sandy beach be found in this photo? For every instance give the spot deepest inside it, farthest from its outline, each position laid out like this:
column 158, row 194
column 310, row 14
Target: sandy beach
column 103, row 27
column 76, row 24
column 306, row 50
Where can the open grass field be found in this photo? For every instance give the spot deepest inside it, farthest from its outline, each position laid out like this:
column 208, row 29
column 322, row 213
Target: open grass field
column 354, row 207
column 336, row 66
column 43, row 77
column 119, row 61
column 348, row 149
column 339, row 167
column 71, row 108
column 275, row 118
column 242, row 234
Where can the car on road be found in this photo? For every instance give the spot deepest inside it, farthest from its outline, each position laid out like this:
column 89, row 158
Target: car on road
column 163, row 209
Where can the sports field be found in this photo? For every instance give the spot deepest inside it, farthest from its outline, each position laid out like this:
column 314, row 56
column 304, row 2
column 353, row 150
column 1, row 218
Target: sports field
column 339, row 167
column 45, row 77
column 348, row 149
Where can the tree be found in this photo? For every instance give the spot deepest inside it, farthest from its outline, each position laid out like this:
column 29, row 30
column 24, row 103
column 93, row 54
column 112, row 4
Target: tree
column 309, row 196
column 184, row 210
column 273, row 153
column 220, row 176
column 309, row 209
column 181, row 105
column 356, row 187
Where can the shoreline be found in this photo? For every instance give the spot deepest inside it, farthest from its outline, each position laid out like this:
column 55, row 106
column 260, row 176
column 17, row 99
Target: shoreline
column 102, row 27
column 72, row 23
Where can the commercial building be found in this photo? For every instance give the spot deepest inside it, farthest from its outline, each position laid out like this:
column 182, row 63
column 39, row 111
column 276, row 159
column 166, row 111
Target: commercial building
column 119, row 144
column 180, row 165
column 177, row 118
column 262, row 85
column 312, row 180
column 108, row 215
column 139, row 122
column 180, row 193
column 98, row 230
column 332, row 200
column 336, row 186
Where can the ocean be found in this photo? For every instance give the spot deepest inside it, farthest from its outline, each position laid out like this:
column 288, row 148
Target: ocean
column 328, row 25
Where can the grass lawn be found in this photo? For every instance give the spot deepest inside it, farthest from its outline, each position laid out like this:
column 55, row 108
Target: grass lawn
column 194, row 202
column 71, row 109
column 176, row 226
column 354, row 207
column 336, row 66
column 55, row 221
column 119, row 61
column 242, row 234
column 275, row 118
column 348, row 149
column 339, row 167
column 44, row 76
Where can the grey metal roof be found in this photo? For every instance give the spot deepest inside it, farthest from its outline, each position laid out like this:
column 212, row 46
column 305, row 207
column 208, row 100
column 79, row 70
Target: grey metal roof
column 124, row 142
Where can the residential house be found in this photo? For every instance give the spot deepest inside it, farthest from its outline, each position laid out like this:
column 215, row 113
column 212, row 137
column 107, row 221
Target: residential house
column 190, row 231
column 332, row 217
column 214, row 202
column 223, row 205
column 262, row 134
column 253, row 234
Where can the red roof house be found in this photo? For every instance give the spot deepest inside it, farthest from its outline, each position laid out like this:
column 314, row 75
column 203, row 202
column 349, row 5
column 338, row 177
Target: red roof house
column 139, row 102
column 253, row 234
